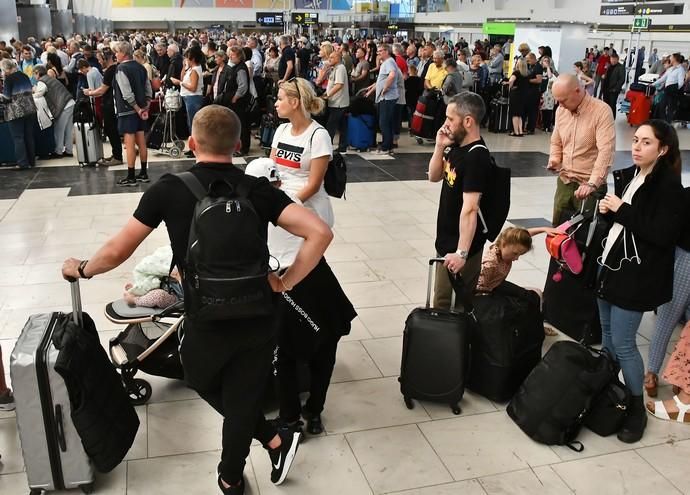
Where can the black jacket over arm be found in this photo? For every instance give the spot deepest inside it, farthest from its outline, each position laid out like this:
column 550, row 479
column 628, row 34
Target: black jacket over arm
column 223, row 74
column 654, row 219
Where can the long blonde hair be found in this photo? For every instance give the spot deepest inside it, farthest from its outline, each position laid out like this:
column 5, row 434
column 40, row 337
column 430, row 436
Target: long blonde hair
column 521, row 67
column 309, row 102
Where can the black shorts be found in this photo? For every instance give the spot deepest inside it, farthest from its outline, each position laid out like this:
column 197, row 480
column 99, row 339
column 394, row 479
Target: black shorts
column 130, row 124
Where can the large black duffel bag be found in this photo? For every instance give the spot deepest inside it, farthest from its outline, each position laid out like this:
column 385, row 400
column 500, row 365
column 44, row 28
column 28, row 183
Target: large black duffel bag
column 552, row 403
column 507, row 344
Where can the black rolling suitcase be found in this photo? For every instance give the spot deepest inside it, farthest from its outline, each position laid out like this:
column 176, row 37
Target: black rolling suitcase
column 508, row 341
column 499, row 111
column 436, row 347
column 570, row 304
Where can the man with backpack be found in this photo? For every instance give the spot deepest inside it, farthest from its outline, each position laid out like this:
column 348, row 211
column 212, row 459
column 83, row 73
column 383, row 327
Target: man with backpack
column 462, row 161
column 218, row 231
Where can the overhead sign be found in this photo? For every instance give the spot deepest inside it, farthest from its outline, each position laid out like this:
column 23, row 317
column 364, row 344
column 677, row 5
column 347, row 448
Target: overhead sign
column 270, row 18
column 305, row 18
column 642, row 22
column 617, row 10
column 505, row 28
column 660, row 9
column 392, row 27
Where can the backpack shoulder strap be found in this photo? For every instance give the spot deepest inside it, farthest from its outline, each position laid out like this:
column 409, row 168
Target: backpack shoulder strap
column 478, row 146
column 193, row 184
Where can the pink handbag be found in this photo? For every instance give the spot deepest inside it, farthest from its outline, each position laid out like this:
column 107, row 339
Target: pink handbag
column 563, row 248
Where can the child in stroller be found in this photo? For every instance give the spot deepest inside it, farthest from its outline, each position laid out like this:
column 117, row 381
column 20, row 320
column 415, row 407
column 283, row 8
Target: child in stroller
column 152, row 309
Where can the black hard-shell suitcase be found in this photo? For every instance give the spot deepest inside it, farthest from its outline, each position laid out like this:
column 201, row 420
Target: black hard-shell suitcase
column 436, row 349
column 499, row 115
column 508, row 341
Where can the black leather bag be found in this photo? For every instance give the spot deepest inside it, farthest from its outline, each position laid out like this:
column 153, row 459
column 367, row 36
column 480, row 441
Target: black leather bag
column 608, row 409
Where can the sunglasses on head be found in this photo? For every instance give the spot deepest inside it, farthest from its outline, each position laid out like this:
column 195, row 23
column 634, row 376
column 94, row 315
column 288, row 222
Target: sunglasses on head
column 294, row 79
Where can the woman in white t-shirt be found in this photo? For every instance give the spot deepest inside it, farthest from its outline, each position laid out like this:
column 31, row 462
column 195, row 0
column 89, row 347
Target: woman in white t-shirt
column 191, row 85
column 315, row 313
column 302, row 147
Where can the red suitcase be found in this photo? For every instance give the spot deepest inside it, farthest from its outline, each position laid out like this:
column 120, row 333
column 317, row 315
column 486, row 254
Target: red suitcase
column 640, row 107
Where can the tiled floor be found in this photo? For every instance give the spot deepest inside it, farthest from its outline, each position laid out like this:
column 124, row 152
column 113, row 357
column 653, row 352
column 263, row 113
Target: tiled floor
column 374, row 444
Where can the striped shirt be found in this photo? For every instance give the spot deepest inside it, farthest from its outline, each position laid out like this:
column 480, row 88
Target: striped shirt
column 583, row 142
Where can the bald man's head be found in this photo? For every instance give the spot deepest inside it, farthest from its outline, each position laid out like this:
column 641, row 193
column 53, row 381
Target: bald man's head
column 568, row 92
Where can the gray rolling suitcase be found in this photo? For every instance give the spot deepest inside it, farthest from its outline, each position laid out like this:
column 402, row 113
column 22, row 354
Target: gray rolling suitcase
column 89, row 144
column 53, row 453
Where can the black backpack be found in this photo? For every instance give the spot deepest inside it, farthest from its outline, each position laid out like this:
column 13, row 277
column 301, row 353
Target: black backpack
column 495, row 202
column 83, row 110
column 335, row 180
column 552, row 403
column 227, row 261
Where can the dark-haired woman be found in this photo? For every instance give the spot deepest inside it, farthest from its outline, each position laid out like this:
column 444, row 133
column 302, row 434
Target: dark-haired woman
column 191, row 85
column 636, row 273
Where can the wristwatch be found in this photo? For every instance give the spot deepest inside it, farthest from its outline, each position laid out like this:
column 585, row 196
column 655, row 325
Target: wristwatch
column 462, row 253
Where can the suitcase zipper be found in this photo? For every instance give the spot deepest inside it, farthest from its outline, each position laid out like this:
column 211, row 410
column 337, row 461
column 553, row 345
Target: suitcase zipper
column 49, row 423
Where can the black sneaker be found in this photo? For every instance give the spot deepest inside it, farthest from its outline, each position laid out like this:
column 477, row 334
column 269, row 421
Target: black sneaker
column 142, row 177
column 282, row 457
column 232, row 490
column 314, row 424
column 127, row 182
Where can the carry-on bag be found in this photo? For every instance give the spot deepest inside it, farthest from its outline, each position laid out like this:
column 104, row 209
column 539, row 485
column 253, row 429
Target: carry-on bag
column 640, row 106
column 570, row 304
column 499, row 115
column 89, row 144
column 436, row 348
column 53, row 453
column 552, row 403
column 426, row 119
column 508, row 341
column 609, row 409
column 361, row 131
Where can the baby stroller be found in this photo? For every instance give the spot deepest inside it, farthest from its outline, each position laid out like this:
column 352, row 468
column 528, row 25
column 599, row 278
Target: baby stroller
column 163, row 136
column 149, row 344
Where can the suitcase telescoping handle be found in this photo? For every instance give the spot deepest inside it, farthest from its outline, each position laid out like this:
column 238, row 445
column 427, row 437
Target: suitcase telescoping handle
column 458, row 288
column 77, row 314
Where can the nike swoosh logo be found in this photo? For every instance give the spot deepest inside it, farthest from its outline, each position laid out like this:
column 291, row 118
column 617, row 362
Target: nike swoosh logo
column 280, row 457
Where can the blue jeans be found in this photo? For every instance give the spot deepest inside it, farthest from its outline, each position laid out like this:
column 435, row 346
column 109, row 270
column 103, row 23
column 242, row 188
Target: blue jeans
column 193, row 104
column 619, row 329
column 387, row 123
column 22, row 131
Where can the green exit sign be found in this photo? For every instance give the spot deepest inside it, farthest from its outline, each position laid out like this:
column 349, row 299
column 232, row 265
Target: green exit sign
column 642, row 22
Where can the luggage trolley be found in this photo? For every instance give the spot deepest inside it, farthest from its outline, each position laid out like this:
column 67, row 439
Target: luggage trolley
column 163, row 136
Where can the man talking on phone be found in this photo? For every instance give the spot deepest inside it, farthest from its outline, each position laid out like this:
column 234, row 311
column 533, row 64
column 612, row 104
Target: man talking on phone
column 463, row 162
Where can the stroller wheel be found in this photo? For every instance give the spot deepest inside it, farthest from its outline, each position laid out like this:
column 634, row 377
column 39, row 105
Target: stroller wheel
column 420, row 141
column 179, row 144
column 175, row 152
column 140, row 392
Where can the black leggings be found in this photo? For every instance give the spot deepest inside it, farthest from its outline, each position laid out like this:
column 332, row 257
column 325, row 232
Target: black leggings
column 236, row 393
column 110, row 128
column 321, row 364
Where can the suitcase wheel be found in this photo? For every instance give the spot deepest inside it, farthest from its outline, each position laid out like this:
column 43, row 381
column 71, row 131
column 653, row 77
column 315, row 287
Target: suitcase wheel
column 409, row 403
column 35, row 491
column 175, row 152
column 87, row 488
column 420, row 140
column 456, row 409
column 139, row 392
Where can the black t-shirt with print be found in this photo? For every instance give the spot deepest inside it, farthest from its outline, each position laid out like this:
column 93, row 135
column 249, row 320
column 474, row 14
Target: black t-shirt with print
column 464, row 171
column 534, row 71
column 287, row 54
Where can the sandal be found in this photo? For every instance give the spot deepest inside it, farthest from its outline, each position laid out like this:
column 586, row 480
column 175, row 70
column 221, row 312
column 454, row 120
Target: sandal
column 651, row 383
column 658, row 409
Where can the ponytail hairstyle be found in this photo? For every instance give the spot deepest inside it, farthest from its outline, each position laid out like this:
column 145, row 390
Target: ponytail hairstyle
column 514, row 236
column 668, row 137
column 309, row 102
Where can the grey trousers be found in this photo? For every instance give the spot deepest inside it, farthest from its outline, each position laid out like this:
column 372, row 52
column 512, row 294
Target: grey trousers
column 62, row 130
